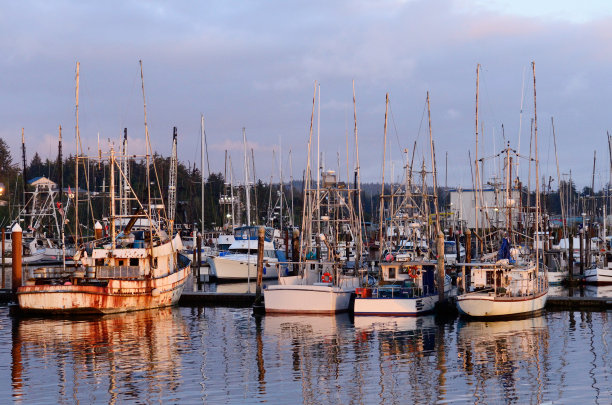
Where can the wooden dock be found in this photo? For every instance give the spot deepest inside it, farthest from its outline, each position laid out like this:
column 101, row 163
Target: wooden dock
column 241, row 300
column 579, row 303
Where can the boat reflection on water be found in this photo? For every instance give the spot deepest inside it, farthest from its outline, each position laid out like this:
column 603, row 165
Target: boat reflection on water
column 122, row 357
column 491, row 353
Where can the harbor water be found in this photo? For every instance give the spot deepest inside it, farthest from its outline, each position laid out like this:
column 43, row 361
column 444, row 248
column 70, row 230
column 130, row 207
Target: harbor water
column 226, row 355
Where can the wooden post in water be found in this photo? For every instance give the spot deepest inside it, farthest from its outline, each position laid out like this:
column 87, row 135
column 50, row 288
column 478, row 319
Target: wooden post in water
column 287, row 243
column 468, row 246
column 3, row 250
column 468, row 257
column 587, row 248
column 581, row 251
column 570, row 258
column 261, row 233
column 458, row 246
column 441, row 272
column 16, row 235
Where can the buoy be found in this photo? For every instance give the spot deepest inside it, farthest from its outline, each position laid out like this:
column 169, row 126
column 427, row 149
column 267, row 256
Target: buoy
column 155, row 292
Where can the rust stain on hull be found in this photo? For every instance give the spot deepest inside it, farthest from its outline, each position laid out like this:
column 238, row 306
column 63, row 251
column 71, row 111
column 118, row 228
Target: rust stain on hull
column 117, row 296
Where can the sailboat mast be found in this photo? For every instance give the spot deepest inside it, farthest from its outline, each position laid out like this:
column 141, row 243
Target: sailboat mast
column 537, row 173
column 23, row 158
column 246, row 178
column 112, row 197
column 433, row 168
column 307, row 201
column 148, row 157
column 358, row 246
column 382, row 190
column 202, row 169
column 561, row 193
column 76, row 160
column 477, row 175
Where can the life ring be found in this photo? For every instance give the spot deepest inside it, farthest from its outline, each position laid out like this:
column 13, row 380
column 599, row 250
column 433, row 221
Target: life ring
column 413, row 271
column 326, row 277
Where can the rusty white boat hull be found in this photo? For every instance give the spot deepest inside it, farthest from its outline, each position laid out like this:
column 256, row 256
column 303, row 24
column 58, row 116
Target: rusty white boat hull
column 117, row 296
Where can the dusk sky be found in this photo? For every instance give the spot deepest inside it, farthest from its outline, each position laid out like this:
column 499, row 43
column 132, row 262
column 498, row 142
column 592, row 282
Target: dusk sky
column 253, row 64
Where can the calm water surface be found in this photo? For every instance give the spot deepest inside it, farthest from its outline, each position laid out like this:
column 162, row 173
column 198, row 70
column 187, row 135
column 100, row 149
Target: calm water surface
column 224, row 355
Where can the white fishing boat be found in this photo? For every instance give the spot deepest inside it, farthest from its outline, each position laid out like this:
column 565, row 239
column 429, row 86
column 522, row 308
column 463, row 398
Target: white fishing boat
column 501, row 289
column 317, row 284
column 407, row 279
column 240, row 261
column 516, row 283
column 599, row 275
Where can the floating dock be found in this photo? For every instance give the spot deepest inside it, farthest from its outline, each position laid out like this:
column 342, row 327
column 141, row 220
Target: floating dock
column 241, row 300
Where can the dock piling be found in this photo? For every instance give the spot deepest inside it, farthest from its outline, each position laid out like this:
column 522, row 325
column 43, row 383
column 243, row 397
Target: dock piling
column 3, row 261
column 16, row 238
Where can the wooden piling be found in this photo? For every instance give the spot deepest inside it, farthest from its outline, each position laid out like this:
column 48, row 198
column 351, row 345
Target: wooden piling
column 16, row 238
column 570, row 259
column 3, row 253
column 458, row 246
column 287, row 243
column 261, row 233
column 198, row 257
column 581, row 234
column 468, row 246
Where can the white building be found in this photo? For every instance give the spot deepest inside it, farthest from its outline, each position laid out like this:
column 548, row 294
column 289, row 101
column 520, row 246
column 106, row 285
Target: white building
column 491, row 206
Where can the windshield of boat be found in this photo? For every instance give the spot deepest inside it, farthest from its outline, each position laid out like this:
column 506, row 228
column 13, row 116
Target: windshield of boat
column 267, row 253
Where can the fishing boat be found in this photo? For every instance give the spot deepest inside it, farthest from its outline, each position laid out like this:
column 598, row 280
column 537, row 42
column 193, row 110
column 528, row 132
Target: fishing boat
column 407, row 279
column 514, row 282
column 125, row 271
column 599, row 274
column 321, row 281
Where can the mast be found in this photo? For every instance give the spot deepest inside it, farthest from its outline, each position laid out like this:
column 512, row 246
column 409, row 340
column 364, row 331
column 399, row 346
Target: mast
column 76, row 177
column 306, row 183
column 61, row 190
column 291, row 181
column 382, row 191
column 477, row 175
column 172, row 183
column 23, row 158
column 537, row 183
column 246, row 178
column 203, row 142
column 433, row 168
column 112, row 197
column 358, row 178
column 561, row 199
column 124, row 190
column 148, row 157
column 280, row 159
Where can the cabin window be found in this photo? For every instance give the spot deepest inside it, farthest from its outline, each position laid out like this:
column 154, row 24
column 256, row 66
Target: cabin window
column 490, row 278
column 99, row 262
column 392, row 273
column 134, row 261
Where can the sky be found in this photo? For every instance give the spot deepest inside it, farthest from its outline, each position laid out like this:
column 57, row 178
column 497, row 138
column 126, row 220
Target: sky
column 253, row 65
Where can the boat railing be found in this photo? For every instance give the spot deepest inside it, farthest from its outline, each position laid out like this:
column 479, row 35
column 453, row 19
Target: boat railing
column 522, row 288
column 118, row 272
